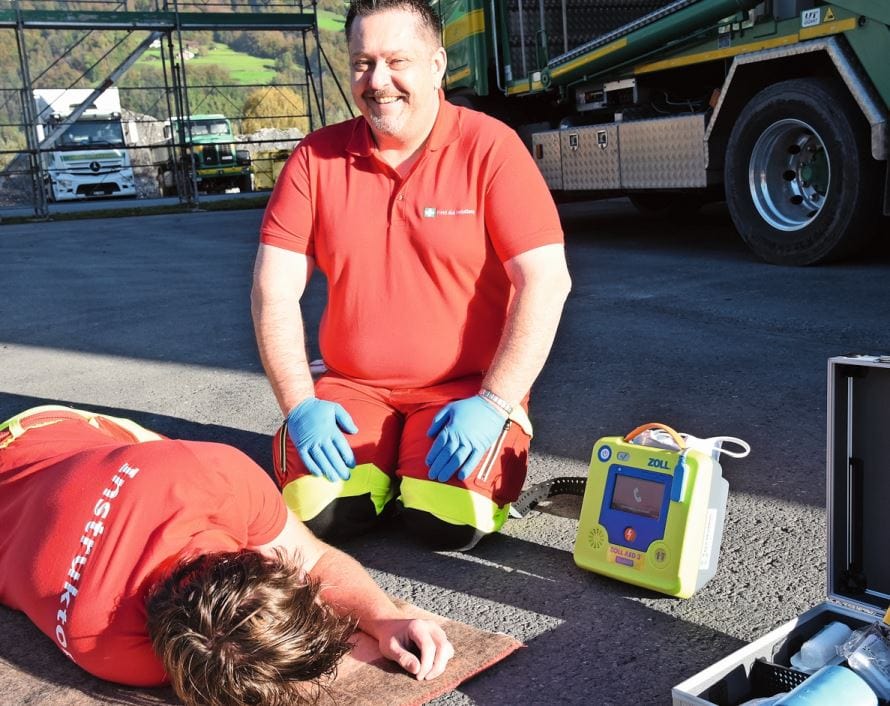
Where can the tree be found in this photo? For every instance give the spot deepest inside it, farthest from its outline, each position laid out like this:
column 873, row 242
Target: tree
column 274, row 106
column 337, row 53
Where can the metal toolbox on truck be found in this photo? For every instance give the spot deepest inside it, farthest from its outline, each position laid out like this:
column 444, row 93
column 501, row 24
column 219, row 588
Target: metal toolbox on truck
column 857, row 504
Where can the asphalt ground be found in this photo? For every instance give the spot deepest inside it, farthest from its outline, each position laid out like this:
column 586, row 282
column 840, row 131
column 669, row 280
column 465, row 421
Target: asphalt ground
column 148, row 318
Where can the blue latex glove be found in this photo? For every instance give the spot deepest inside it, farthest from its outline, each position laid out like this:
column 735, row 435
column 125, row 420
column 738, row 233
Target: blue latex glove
column 464, row 431
column 315, row 427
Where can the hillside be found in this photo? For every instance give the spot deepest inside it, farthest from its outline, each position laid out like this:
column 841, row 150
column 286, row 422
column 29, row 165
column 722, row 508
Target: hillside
column 250, row 76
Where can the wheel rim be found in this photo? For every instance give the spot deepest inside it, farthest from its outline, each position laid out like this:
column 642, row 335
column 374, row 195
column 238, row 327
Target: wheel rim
column 789, row 175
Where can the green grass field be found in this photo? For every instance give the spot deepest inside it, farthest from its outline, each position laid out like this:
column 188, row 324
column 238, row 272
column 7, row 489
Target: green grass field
column 244, row 68
column 330, row 21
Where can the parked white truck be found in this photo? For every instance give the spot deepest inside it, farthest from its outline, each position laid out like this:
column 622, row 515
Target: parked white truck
column 90, row 158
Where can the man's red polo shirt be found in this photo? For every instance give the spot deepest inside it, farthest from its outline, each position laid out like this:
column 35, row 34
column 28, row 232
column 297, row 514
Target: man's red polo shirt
column 417, row 293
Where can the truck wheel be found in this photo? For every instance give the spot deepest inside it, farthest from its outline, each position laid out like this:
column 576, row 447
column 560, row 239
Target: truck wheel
column 799, row 177
column 245, row 183
column 165, row 190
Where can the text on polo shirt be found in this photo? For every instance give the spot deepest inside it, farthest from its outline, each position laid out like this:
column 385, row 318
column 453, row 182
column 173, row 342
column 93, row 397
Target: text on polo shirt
column 92, row 532
column 432, row 212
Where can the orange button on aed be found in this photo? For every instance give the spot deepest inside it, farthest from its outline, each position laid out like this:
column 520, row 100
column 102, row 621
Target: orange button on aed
column 630, row 534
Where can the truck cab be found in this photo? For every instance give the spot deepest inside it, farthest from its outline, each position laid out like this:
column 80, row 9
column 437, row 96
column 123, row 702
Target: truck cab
column 90, row 158
column 207, row 144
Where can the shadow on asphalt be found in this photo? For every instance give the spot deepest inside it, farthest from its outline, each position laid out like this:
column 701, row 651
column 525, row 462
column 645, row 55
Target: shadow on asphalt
column 257, row 446
column 706, row 233
column 26, row 649
column 539, row 584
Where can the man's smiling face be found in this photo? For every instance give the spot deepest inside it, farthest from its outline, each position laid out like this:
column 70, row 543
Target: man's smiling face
column 397, row 67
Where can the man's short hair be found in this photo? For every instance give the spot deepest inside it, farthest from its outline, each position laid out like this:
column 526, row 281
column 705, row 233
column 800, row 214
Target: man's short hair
column 426, row 15
column 240, row 628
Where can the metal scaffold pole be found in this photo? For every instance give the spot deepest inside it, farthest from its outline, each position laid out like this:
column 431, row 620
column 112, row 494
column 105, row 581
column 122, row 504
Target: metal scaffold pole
column 321, row 108
column 191, row 191
column 177, row 163
column 41, row 209
column 310, row 80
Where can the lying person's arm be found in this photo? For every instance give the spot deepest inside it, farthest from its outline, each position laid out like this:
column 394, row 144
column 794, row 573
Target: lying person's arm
column 419, row 646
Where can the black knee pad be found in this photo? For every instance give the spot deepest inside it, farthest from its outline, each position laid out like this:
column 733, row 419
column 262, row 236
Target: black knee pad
column 438, row 534
column 344, row 517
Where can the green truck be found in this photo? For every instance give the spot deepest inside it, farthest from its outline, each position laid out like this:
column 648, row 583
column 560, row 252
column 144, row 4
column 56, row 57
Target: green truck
column 779, row 107
column 202, row 149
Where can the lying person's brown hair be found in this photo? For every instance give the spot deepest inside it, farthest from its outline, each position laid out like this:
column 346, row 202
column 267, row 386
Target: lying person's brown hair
column 240, row 628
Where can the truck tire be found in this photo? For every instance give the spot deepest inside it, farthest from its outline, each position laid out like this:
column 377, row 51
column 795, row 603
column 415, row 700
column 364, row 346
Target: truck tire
column 245, row 183
column 165, row 190
column 801, row 185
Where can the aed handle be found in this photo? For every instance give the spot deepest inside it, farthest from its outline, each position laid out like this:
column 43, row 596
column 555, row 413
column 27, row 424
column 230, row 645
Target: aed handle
column 678, row 440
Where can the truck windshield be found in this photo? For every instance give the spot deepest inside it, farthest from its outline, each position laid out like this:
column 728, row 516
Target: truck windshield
column 210, row 127
column 85, row 134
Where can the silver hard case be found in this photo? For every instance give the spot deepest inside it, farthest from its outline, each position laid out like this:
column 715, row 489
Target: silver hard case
column 857, row 490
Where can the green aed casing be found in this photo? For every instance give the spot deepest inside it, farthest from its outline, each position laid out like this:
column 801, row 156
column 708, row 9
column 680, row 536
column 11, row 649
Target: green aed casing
column 651, row 516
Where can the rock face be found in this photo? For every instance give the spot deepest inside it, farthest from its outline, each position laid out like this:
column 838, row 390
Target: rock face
column 15, row 183
column 269, row 148
column 271, row 139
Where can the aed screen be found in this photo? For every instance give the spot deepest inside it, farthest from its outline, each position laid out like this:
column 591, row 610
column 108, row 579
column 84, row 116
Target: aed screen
column 638, row 496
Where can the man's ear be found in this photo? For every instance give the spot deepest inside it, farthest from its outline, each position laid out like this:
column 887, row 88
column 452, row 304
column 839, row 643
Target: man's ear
column 439, row 64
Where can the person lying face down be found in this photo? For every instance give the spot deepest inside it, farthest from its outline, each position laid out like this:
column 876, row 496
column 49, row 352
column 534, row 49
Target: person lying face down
column 149, row 560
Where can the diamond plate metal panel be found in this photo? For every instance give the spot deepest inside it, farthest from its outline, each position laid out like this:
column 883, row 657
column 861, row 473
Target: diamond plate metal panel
column 664, row 153
column 545, row 150
column 590, row 157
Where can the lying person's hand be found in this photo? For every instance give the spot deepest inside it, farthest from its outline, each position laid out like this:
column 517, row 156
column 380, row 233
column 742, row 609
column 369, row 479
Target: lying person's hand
column 419, row 646
column 316, row 429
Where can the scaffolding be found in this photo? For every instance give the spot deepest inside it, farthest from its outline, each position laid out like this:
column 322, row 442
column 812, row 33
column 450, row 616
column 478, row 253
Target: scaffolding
column 163, row 30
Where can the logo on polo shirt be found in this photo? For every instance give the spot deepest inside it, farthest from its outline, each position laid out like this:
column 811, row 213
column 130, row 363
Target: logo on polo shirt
column 432, row 212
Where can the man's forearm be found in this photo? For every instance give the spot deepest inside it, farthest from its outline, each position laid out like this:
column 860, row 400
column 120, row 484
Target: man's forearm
column 279, row 280
column 528, row 335
column 346, row 586
column 282, row 348
column 419, row 645
column 349, row 589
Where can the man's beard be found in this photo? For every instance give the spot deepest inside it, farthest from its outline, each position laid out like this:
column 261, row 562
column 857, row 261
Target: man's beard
column 390, row 125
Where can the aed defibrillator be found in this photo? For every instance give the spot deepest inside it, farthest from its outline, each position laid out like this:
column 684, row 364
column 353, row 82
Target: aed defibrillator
column 654, row 508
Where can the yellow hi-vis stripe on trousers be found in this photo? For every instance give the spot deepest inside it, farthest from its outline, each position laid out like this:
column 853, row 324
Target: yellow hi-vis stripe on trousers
column 457, row 506
column 309, row 495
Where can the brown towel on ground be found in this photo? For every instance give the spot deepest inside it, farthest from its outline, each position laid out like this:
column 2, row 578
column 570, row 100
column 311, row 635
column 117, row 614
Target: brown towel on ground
column 365, row 678
column 33, row 670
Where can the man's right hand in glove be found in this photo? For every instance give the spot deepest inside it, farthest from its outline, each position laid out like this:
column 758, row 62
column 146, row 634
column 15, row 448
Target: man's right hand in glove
column 316, row 429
